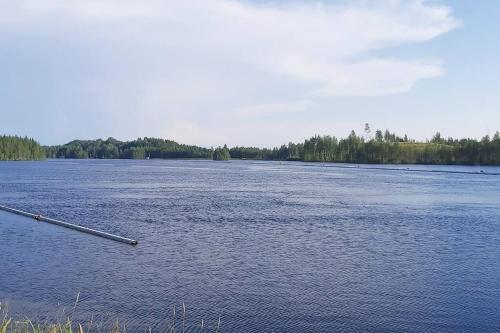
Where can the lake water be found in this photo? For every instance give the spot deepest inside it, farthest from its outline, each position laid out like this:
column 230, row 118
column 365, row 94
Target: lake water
column 267, row 246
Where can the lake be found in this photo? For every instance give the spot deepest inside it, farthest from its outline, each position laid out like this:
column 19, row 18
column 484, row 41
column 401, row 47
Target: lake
column 267, row 246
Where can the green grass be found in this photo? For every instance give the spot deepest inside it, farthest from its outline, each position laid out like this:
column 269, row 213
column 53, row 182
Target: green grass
column 177, row 324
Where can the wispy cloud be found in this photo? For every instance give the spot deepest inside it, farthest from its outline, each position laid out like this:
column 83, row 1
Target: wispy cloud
column 183, row 61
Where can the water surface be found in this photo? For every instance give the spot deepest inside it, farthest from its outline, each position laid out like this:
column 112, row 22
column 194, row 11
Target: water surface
column 267, row 246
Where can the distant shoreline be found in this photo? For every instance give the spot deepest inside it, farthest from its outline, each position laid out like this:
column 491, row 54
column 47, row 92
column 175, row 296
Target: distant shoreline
column 382, row 148
column 329, row 164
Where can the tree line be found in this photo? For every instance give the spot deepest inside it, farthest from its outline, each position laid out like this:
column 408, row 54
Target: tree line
column 15, row 148
column 221, row 154
column 381, row 147
column 141, row 148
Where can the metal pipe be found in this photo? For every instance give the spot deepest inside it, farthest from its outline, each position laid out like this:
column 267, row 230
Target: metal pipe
column 70, row 226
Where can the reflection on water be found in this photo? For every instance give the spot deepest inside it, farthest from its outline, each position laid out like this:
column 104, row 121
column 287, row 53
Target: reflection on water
column 269, row 247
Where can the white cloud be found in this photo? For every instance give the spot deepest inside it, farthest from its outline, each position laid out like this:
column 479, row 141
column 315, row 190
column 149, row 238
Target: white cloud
column 175, row 60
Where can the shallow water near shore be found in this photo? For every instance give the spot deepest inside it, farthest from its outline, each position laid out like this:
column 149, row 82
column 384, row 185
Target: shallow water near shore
column 267, row 246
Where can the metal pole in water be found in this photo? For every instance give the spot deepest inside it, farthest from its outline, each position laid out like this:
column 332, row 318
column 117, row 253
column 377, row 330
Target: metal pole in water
column 70, row 226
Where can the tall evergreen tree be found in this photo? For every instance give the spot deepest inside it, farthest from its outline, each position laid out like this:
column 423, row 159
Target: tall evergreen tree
column 15, row 148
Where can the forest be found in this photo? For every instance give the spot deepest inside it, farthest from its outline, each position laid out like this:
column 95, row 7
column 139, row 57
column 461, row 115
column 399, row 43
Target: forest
column 379, row 147
column 384, row 148
column 141, row 148
column 15, row 148
column 221, row 154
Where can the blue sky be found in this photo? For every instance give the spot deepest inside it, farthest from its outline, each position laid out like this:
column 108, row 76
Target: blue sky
column 254, row 73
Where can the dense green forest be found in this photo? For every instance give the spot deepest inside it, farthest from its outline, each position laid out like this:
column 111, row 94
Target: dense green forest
column 390, row 148
column 138, row 149
column 381, row 147
column 14, row 148
column 221, row 154
column 141, row 148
